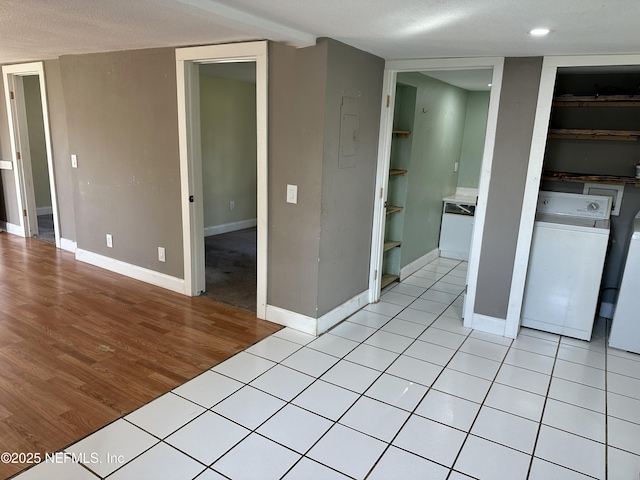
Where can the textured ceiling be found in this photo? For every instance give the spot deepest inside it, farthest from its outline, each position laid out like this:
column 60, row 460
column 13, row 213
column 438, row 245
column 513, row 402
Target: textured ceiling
column 41, row 29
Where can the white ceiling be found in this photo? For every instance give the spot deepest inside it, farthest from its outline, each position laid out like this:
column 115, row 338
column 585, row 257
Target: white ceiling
column 41, row 29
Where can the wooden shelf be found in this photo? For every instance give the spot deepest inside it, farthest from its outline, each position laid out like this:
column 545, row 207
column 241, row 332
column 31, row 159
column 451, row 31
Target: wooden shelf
column 389, row 244
column 582, row 178
column 396, row 171
column 583, row 134
column 387, row 279
column 402, row 133
column 393, row 209
column 599, row 101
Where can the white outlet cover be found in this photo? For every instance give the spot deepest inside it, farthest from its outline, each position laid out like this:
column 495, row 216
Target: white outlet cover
column 74, row 161
column 292, row 194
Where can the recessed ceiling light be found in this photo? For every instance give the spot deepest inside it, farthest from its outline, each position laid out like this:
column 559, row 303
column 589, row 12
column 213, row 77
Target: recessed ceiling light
column 539, row 32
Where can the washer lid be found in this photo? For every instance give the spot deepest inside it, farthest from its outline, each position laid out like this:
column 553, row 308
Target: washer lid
column 572, row 223
column 574, row 205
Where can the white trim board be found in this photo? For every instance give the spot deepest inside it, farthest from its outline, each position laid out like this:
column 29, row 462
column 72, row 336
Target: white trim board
column 230, row 227
column 187, row 61
column 317, row 326
column 68, row 245
column 132, row 271
column 6, row 165
column 12, row 228
column 550, row 67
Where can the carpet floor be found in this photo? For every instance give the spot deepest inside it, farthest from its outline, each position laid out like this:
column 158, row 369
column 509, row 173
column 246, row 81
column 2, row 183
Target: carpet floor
column 230, row 266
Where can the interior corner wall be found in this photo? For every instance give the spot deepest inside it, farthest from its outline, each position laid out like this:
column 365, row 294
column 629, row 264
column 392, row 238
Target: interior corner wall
column 348, row 190
column 297, row 84
column 60, row 149
column 518, row 101
column 122, row 124
column 229, row 150
column 9, row 201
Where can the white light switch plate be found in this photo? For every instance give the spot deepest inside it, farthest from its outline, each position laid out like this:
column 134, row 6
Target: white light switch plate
column 74, row 161
column 292, row 194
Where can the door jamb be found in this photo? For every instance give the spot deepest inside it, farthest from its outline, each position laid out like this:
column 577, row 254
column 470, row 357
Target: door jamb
column 392, row 68
column 9, row 73
column 187, row 59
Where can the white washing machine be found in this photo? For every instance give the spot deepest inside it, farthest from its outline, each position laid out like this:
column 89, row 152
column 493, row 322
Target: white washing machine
column 625, row 329
column 568, row 250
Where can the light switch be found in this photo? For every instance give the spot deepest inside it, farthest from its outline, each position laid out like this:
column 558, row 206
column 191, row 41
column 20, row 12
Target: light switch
column 74, row 161
column 292, row 194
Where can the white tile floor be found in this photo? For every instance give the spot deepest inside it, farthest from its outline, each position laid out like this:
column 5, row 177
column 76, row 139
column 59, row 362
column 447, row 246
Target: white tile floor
column 401, row 390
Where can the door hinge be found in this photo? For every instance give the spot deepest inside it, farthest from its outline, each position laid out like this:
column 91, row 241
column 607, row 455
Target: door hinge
column 375, row 274
column 18, row 155
column 24, row 212
column 11, row 95
column 388, row 100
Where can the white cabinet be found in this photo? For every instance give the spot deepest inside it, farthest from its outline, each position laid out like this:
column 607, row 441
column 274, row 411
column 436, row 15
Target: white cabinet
column 456, row 230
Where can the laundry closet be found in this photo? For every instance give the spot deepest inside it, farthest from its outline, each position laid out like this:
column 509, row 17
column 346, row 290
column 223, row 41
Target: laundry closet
column 592, row 148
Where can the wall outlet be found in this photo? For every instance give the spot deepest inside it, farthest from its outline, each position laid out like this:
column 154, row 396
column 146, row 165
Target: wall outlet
column 74, row 161
column 161, row 256
column 455, row 167
column 232, row 205
column 109, row 240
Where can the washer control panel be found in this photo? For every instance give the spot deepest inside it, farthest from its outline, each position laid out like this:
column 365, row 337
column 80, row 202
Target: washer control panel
column 574, row 205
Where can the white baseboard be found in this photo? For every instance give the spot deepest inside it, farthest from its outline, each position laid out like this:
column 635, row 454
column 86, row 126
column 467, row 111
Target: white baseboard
column 68, row 245
column 133, row 271
column 416, row 265
column 44, row 211
column 230, row 227
column 12, row 229
column 342, row 312
column 297, row 321
column 487, row 324
column 317, row 326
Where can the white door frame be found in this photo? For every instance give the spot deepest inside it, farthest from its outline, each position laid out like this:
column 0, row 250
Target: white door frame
column 392, row 68
column 550, row 67
column 187, row 61
column 12, row 77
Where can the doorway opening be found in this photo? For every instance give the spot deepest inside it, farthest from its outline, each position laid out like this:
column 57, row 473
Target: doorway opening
column 25, row 95
column 188, row 64
column 229, row 177
column 422, row 139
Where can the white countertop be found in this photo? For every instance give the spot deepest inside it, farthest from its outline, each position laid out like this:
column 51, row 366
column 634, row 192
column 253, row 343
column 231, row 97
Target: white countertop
column 463, row 199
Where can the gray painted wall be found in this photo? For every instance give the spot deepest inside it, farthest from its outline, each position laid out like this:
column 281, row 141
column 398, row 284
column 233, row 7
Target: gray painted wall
column 518, row 100
column 436, row 145
column 297, row 86
column 122, row 124
column 475, row 129
column 37, row 144
column 60, row 149
column 319, row 252
column 229, row 146
column 348, row 192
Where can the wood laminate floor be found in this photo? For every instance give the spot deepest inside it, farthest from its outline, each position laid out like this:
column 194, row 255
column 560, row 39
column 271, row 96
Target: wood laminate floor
column 81, row 346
